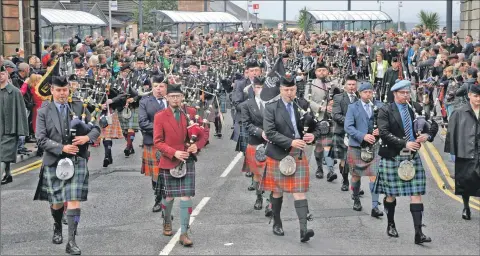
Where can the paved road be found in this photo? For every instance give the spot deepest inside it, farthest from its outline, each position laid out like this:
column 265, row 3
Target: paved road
column 117, row 219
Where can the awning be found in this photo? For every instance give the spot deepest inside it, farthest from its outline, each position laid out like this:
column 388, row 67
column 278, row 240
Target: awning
column 351, row 16
column 197, row 17
column 55, row 17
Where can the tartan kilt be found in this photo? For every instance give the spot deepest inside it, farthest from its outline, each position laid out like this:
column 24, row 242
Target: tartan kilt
column 131, row 123
column 390, row 184
column 338, row 150
column 277, row 182
column 242, row 139
column 174, row 187
column 357, row 167
column 57, row 191
column 251, row 163
column 323, row 141
column 222, row 100
column 114, row 130
column 150, row 158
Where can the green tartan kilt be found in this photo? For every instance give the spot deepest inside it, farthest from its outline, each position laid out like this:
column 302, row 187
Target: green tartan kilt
column 390, row 184
column 338, row 149
column 169, row 186
column 57, row 191
column 358, row 167
column 131, row 123
column 242, row 142
column 222, row 99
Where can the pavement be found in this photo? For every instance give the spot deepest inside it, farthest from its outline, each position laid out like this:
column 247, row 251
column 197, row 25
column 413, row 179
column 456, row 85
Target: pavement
column 117, row 218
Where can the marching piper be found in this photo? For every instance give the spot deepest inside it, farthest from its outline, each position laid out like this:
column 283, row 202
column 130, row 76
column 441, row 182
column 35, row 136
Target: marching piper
column 400, row 171
column 177, row 161
column 59, row 184
column 287, row 169
column 362, row 156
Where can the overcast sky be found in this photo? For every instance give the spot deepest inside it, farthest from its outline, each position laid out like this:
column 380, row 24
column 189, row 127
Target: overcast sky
column 408, row 13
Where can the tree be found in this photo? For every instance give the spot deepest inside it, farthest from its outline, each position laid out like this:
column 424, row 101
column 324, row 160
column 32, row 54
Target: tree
column 149, row 23
column 302, row 19
column 429, row 20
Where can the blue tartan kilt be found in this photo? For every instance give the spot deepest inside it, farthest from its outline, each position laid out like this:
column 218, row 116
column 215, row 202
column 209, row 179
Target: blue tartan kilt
column 57, row 191
column 390, row 184
column 170, row 186
column 242, row 142
column 222, row 100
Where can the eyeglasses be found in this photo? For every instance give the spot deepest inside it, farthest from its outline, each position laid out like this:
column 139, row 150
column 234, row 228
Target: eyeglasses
column 175, row 96
column 404, row 93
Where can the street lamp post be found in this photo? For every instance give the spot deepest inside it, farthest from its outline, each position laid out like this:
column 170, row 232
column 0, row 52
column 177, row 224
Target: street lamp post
column 398, row 23
column 284, row 15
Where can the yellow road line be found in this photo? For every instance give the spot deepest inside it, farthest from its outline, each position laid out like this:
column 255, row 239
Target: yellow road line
column 27, row 166
column 444, row 168
column 28, row 169
column 439, row 180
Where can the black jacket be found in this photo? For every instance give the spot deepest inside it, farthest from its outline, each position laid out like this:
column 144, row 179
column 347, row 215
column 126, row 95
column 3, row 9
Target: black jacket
column 252, row 118
column 339, row 111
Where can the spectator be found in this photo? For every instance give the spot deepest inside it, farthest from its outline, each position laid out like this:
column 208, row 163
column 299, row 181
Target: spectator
column 468, row 49
column 10, row 67
column 18, row 77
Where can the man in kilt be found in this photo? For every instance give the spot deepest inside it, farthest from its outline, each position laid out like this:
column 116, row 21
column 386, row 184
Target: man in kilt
column 54, row 137
column 317, row 93
column 339, row 111
column 399, row 143
column 149, row 106
column 287, row 137
column 170, row 137
column 359, row 124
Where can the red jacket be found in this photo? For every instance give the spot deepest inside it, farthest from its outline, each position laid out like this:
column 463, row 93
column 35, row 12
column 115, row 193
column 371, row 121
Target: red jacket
column 170, row 136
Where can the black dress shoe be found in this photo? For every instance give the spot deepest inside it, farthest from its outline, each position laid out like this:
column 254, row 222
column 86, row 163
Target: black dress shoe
column 420, row 238
column 376, row 213
column 278, row 230
column 157, row 207
column 392, row 230
column 465, row 215
column 7, row 179
column 357, row 205
column 361, row 193
column 126, row 151
column 331, row 176
column 106, row 162
column 344, row 186
column 249, row 174
column 72, row 248
column 306, row 234
column 251, row 187
column 258, row 204
column 319, row 173
column 57, row 234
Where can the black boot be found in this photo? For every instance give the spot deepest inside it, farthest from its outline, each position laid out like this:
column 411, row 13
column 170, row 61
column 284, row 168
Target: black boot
column 319, row 172
column 248, row 174
column 8, row 177
column 357, row 205
column 268, row 208
column 344, row 172
column 259, row 202
column 107, row 145
column 390, row 210
column 417, row 212
column 331, row 176
column 57, row 225
column 158, row 204
column 277, row 221
column 466, row 214
column 252, row 186
column 301, row 206
column 73, row 217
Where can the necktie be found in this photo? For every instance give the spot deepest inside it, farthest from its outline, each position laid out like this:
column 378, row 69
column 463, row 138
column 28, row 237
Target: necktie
column 262, row 109
column 292, row 118
column 177, row 115
column 352, row 98
column 368, row 110
column 160, row 102
column 62, row 110
column 406, row 123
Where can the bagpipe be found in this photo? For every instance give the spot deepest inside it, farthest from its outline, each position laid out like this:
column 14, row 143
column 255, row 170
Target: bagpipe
column 367, row 150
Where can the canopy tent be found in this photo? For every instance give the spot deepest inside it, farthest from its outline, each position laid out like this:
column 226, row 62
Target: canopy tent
column 204, row 18
column 376, row 17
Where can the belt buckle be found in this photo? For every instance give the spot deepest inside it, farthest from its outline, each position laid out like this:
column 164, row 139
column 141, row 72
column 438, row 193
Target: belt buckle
column 405, row 152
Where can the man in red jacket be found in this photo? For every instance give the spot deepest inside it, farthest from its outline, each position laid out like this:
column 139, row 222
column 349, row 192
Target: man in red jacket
column 171, row 138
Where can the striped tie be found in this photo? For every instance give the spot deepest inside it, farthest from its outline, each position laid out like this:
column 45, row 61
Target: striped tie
column 406, row 123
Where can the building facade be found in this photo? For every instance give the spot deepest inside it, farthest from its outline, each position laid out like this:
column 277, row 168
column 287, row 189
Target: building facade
column 470, row 19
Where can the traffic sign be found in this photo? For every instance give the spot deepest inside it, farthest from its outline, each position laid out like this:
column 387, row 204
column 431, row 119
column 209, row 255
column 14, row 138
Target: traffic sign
column 256, row 6
column 114, row 5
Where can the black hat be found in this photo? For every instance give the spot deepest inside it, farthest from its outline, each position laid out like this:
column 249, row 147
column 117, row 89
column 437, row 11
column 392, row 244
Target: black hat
column 158, row 79
column 323, row 43
column 288, row 80
column 72, row 77
column 140, row 57
column 258, row 80
column 60, row 81
column 321, row 65
column 147, row 82
column 125, row 66
column 453, row 56
column 475, row 89
column 203, row 62
column 351, row 77
column 102, row 66
column 252, row 64
column 174, row 88
column 394, row 59
column 79, row 65
column 194, row 63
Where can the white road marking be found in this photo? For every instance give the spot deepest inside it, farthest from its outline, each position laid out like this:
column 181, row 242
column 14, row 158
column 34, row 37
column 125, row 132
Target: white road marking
column 231, row 165
column 169, row 247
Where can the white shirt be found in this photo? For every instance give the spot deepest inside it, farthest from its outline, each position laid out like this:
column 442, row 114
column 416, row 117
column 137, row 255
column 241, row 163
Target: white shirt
column 380, row 70
column 259, row 102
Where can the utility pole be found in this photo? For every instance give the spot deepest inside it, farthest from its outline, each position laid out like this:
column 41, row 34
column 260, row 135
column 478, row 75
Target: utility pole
column 248, row 13
column 36, row 8
column 284, row 15
column 140, row 16
column 205, row 9
column 349, row 5
column 110, row 18
column 449, row 17
column 398, row 23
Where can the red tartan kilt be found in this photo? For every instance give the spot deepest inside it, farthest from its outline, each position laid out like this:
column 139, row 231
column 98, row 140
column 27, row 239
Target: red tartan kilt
column 357, row 167
column 251, row 163
column 150, row 158
column 114, row 130
column 277, row 182
column 324, row 141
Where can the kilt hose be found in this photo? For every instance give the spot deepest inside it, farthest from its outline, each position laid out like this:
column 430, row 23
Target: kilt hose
column 131, row 123
column 242, row 139
column 390, row 184
column 338, row 149
column 150, row 158
column 251, row 163
column 275, row 181
column 114, row 130
column 57, row 191
column 358, row 167
column 177, row 187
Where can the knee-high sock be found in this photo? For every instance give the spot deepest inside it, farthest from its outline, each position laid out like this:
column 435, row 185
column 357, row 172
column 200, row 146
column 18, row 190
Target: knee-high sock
column 466, row 200
column 7, row 168
column 168, row 210
column 374, row 195
column 107, row 144
column 130, row 138
column 390, row 210
column 356, row 187
column 328, row 160
column 417, row 213
column 301, row 207
column 57, row 215
column 73, row 218
column 185, row 212
column 218, row 125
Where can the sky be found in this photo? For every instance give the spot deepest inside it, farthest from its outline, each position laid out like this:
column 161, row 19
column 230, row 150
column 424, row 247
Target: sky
column 408, row 13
